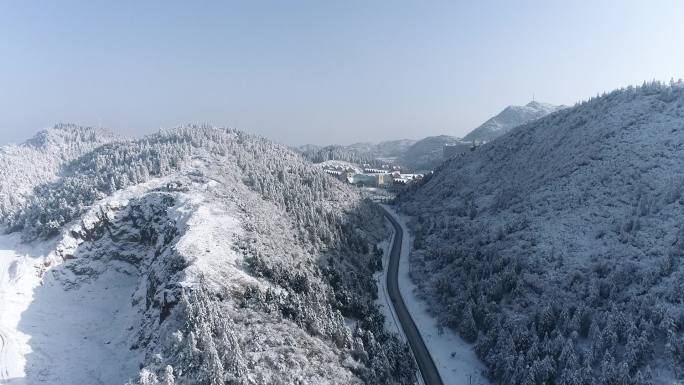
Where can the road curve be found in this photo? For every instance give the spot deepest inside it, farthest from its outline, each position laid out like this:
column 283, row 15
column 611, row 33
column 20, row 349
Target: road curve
column 427, row 367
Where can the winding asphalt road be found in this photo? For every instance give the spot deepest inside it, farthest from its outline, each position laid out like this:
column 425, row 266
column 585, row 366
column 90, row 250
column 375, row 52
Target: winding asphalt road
column 427, row 367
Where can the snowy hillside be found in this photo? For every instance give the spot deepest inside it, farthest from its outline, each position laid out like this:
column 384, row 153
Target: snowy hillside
column 197, row 255
column 46, row 153
column 510, row 117
column 372, row 153
column 388, row 148
column 340, row 165
column 558, row 249
column 305, row 148
column 426, row 153
column 338, row 153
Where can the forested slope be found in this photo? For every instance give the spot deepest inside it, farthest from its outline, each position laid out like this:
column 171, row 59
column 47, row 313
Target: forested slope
column 427, row 153
column 251, row 266
column 557, row 249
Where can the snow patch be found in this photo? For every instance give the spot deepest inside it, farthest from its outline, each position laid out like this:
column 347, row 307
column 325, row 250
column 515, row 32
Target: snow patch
column 19, row 275
column 208, row 241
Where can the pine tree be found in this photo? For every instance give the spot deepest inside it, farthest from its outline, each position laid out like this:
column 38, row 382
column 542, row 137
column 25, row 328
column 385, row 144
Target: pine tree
column 467, row 326
column 169, row 378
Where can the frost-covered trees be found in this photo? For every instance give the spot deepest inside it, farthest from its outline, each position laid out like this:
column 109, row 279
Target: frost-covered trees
column 305, row 239
column 336, row 152
column 119, row 165
column 349, row 290
column 40, row 160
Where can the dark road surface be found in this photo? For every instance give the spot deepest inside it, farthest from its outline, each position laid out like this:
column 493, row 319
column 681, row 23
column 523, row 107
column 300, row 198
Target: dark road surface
column 427, row 367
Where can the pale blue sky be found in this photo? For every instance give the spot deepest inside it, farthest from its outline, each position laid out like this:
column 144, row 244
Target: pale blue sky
column 320, row 71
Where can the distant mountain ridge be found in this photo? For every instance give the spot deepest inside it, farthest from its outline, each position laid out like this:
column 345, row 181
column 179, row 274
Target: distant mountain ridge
column 391, row 148
column 384, row 149
column 510, row 117
column 427, row 153
column 374, row 154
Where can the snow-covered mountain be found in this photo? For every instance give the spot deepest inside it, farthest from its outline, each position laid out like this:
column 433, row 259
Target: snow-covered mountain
column 427, row 153
column 197, row 255
column 40, row 159
column 510, row 117
column 558, row 248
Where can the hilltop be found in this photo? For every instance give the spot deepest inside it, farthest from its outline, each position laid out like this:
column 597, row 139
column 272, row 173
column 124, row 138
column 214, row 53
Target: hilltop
column 510, row 117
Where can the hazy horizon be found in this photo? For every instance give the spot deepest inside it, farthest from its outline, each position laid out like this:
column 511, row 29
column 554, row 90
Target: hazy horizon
column 320, row 73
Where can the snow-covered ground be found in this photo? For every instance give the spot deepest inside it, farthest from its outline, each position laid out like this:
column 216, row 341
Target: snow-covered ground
column 209, row 232
column 454, row 358
column 53, row 335
column 81, row 335
column 18, row 278
column 66, row 326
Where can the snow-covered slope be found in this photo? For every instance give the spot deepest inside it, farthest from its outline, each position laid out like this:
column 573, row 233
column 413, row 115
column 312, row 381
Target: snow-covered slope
column 341, row 165
column 510, row 117
column 338, row 153
column 197, row 255
column 558, row 247
column 385, row 149
column 40, row 159
column 426, row 153
column 375, row 154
